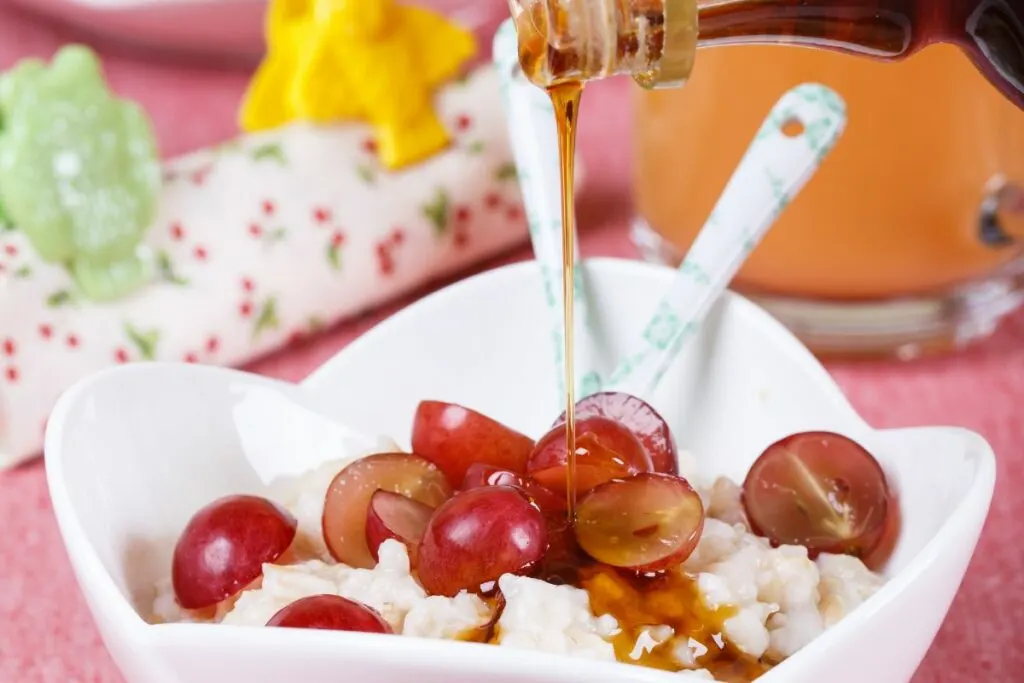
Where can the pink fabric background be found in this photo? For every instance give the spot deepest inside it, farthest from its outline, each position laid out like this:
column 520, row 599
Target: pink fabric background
column 47, row 634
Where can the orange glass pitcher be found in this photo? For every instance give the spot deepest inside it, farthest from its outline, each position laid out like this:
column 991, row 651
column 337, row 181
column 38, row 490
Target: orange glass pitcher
column 905, row 241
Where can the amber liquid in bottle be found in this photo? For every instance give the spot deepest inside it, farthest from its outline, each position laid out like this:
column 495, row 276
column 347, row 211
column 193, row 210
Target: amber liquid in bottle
column 989, row 32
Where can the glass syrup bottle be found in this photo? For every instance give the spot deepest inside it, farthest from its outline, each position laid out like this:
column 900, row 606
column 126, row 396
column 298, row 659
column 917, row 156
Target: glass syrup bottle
column 655, row 41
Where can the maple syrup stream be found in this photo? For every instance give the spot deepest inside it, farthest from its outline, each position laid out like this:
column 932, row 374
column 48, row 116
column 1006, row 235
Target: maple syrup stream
column 565, row 97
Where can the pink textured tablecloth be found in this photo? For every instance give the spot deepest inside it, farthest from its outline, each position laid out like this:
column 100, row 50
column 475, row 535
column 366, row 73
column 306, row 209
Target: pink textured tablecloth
column 47, row 634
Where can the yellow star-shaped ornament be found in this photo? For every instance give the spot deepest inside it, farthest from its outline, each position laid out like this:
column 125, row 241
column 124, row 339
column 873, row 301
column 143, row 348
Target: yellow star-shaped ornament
column 369, row 60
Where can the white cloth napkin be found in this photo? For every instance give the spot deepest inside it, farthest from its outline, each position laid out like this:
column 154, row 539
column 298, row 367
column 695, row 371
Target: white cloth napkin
column 270, row 237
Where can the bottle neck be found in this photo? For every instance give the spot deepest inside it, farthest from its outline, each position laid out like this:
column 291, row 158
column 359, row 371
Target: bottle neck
column 655, row 41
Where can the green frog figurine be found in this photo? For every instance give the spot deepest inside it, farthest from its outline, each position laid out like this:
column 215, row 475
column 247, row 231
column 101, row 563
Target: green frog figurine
column 80, row 172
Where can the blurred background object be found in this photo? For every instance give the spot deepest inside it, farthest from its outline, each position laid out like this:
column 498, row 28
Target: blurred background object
column 254, row 242
column 229, row 30
column 907, row 241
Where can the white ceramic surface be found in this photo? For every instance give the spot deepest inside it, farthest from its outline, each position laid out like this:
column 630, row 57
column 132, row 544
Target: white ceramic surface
column 132, row 452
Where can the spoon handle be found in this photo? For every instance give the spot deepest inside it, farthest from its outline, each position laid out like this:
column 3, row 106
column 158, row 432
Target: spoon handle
column 533, row 137
column 798, row 133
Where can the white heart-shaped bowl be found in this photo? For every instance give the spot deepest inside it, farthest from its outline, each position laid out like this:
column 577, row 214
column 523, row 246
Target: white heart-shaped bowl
column 131, row 453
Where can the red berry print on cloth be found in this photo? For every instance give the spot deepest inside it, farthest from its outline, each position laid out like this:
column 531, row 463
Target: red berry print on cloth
column 385, row 261
column 200, row 253
column 72, row 341
column 258, row 230
column 386, row 249
column 10, row 250
column 515, row 212
column 177, row 232
column 12, row 374
column 492, row 200
column 212, row 344
column 334, row 246
column 245, row 309
column 367, row 171
column 463, row 122
column 460, row 237
column 199, row 176
column 248, row 285
column 321, row 216
column 460, row 231
column 121, row 356
column 46, row 331
column 191, row 357
column 9, row 347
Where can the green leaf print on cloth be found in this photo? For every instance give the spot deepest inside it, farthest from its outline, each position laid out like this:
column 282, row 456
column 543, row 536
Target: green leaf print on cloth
column 144, row 341
column 438, row 211
column 267, row 318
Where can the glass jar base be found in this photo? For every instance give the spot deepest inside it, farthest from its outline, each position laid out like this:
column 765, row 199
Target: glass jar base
column 904, row 328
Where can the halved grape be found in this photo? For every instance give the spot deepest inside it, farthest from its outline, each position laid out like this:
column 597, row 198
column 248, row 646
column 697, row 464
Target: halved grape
column 820, row 490
column 480, row 474
column 876, row 559
column 392, row 515
column 224, row 547
column 453, row 438
column 643, row 420
column 646, row 523
column 605, row 450
column 477, row 536
column 348, row 497
column 332, row 613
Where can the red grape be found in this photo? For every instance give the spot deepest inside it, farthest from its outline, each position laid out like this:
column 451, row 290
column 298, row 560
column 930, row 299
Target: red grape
column 820, row 490
column 392, row 515
column 564, row 558
column 605, row 450
column 880, row 554
column 477, row 536
column 224, row 547
column 453, row 438
column 332, row 613
column 480, row 474
column 646, row 523
column 348, row 497
column 641, row 419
